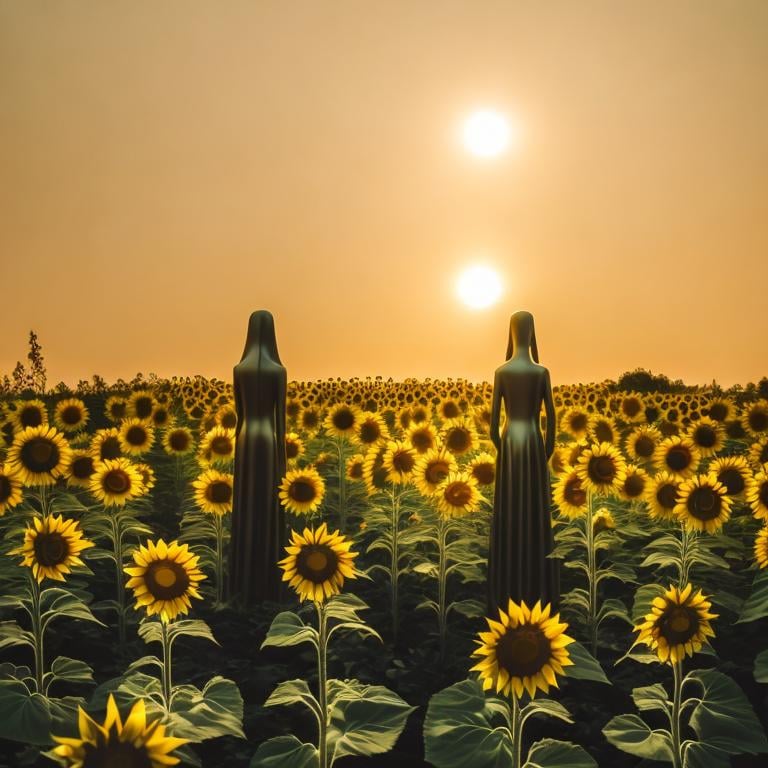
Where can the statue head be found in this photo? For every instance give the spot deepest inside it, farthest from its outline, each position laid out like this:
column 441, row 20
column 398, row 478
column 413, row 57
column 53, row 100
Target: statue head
column 261, row 336
column 522, row 334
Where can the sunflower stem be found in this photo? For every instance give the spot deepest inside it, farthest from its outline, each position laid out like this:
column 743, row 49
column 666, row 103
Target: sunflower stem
column 342, row 486
column 117, row 539
column 442, row 578
column 37, row 633
column 322, row 683
column 677, row 669
column 395, row 561
column 517, row 732
column 219, row 522
column 591, row 575
column 166, row 672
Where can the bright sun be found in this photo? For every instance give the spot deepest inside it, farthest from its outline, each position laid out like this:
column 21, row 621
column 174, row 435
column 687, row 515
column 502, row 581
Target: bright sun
column 486, row 133
column 479, row 287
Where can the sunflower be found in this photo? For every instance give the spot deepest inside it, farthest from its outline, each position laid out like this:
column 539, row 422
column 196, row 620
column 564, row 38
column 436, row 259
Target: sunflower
column 309, row 420
column 302, row 491
column 51, row 545
column 707, row 435
column 458, row 495
column 218, row 446
column 721, row 410
column 141, row 404
column 754, row 419
column 569, row 494
column 81, row 469
column 70, row 415
column 213, row 492
column 677, row 455
column 422, row 436
column 601, row 469
column 164, row 578
column 483, row 469
column 575, row 421
column 317, row 563
column 29, row 413
column 459, row 436
column 761, row 547
column 10, row 489
column 758, row 453
column 603, row 520
column 399, row 461
column 355, row 467
column 136, row 743
column 678, row 624
column 371, row 430
column 602, row 429
column 115, row 408
column 702, row 504
column 733, row 472
column 105, row 444
column 642, row 442
column 374, row 472
column 661, row 496
column 559, row 459
column 115, row 481
column 226, row 416
column 341, row 420
column 178, row 441
column 147, row 475
column 635, row 483
column 39, row 455
column 136, row 437
column 632, row 408
column 294, row 447
column 432, row 468
column 757, row 494
column 523, row 650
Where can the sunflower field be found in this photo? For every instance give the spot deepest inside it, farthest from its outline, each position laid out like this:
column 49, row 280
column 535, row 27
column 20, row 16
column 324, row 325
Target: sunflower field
column 119, row 647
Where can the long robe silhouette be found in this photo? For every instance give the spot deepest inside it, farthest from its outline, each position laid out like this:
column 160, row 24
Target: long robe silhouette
column 258, row 520
column 521, row 532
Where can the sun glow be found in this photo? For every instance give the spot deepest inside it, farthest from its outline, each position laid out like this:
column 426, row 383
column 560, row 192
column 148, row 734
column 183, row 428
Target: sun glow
column 479, row 287
column 486, row 133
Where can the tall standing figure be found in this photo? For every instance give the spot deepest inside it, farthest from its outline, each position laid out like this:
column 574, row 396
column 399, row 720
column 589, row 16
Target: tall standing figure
column 521, row 531
column 258, row 521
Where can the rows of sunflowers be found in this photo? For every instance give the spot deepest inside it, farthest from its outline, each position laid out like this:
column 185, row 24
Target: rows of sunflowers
column 120, row 647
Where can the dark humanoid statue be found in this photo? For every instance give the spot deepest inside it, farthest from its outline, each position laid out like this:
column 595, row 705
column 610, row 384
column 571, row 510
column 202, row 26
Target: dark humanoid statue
column 258, row 521
column 521, row 531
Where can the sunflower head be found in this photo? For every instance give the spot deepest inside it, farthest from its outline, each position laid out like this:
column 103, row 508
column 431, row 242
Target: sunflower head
column 317, row 563
column 29, row 413
column 115, row 482
column 601, row 469
column 460, row 436
column 355, row 467
column 603, row 520
column 761, row 547
column 39, row 455
column 569, row 494
column 661, row 496
column 702, row 504
column 70, row 415
column 178, row 441
column 11, row 493
column 399, row 461
column 677, row 625
column 218, row 446
column 51, row 546
column 213, row 492
column 707, row 435
column 523, row 651
column 164, row 578
column 754, row 419
column 133, row 744
column 458, row 495
column 341, row 420
column 483, row 469
column 635, row 483
column 302, row 491
column 432, row 468
column 677, row 455
column 642, row 443
column 422, row 436
column 733, row 472
column 294, row 446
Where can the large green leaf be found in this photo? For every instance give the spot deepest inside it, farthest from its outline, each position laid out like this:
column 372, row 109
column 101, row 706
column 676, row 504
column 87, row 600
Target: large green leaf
column 56, row 602
column 585, row 665
column 368, row 724
column 215, row 711
column 464, row 728
column 651, row 697
column 698, row 755
column 630, row 734
column 549, row 753
column 723, row 717
column 293, row 692
column 288, row 629
column 12, row 634
column 31, row 718
column 761, row 667
column 283, row 751
column 69, row 670
column 756, row 605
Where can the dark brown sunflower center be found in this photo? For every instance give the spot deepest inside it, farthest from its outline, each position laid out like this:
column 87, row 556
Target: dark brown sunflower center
column 450, row 410
column 39, row 455
column 644, row 446
column 219, row 492
column 523, row 651
column 578, row 422
column 6, row 489
column 166, row 579
column 421, row 440
column 436, row 471
column 116, row 481
column 136, row 435
column 762, row 494
column 291, row 449
column 603, row 432
column 666, row 495
column 485, row 474
column 601, row 469
column 179, row 440
column 403, row 462
column 762, row 457
column 229, row 420
column 634, row 486
column 573, row 493
column 370, row 432
column 117, row 410
column 678, row 458
column 110, row 448
column 116, row 754
column 221, row 446
column 718, row 412
column 71, row 415
column 316, row 563
column 302, row 490
column 679, row 624
column 292, row 409
column 356, row 470
column 143, row 407
column 704, row 504
column 50, row 548
column 732, row 480
column 309, row 419
column 705, row 436
column 343, row 420
column 458, row 494
column 82, row 467
column 631, row 406
column 31, row 417
column 758, row 420
column 458, row 440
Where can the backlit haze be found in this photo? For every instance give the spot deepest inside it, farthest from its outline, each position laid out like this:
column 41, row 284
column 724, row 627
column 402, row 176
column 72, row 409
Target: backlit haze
column 168, row 167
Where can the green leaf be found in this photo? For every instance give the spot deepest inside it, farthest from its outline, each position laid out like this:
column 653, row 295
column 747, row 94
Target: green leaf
column 215, row 711
column 643, row 600
column 293, row 692
column 345, row 607
column 470, row 608
column 58, row 602
column 613, row 609
column 12, row 634
column 630, row 734
column 288, row 629
column 368, row 724
column 724, row 718
column 756, row 605
column 144, row 661
column 651, row 697
column 549, row 753
column 698, row 755
column 761, row 667
column 283, row 751
column 585, row 665
column 30, row 718
column 71, row 670
column 461, row 729
column 548, row 707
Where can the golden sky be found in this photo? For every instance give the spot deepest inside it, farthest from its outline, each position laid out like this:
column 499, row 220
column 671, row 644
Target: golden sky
column 168, row 167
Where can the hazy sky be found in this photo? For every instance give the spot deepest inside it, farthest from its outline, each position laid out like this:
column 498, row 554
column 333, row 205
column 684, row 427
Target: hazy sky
column 168, row 167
